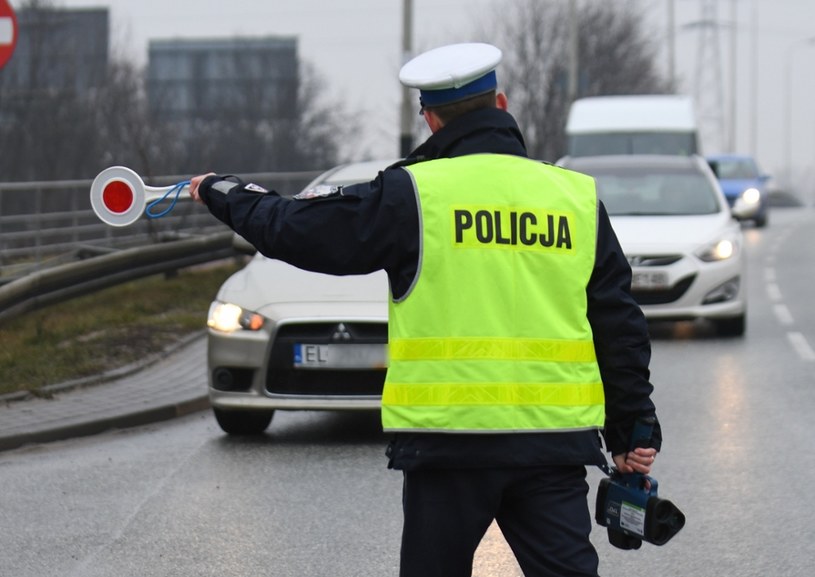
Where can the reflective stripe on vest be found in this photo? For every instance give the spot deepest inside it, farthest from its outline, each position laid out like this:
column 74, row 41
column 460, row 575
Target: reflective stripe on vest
column 493, row 334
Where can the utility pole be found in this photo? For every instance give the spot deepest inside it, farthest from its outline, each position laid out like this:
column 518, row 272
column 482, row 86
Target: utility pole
column 731, row 131
column 788, row 90
column 709, row 93
column 754, row 81
column 573, row 52
column 406, row 123
column 672, row 45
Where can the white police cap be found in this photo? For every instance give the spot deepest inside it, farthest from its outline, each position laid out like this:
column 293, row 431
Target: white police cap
column 451, row 73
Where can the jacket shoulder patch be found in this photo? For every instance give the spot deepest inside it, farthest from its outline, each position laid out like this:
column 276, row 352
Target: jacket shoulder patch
column 252, row 187
column 318, row 192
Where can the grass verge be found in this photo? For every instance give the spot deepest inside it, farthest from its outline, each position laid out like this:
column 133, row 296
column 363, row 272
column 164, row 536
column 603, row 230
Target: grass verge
column 106, row 330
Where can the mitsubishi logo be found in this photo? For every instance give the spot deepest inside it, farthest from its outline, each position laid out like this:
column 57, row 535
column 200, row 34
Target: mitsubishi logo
column 341, row 333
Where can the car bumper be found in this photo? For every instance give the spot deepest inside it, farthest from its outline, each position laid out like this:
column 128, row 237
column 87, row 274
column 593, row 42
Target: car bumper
column 717, row 311
column 693, row 291
column 269, row 402
column 244, row 371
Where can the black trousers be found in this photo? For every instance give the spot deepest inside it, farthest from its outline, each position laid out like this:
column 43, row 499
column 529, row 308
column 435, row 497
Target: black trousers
column 542, row 511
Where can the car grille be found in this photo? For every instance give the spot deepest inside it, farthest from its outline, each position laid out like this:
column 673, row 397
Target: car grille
column 661, row 297
column 653, row 260
column 283, row 378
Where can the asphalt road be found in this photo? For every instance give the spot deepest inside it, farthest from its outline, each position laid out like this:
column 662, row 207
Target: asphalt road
column 313, row 496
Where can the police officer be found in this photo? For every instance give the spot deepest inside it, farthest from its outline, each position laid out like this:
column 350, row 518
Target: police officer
column 513, row 338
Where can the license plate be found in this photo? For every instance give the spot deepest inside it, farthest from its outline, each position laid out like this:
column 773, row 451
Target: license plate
column 649, row 280
column 358, row 356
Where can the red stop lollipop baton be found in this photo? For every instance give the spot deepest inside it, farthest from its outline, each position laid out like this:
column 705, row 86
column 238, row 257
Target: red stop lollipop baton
column 119, row 196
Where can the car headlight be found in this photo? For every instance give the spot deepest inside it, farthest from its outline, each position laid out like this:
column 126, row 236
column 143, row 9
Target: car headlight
column 719, row 250
column 228, row 318
column 751, row 196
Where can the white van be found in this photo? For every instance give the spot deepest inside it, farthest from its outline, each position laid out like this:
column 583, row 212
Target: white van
column 637, row 124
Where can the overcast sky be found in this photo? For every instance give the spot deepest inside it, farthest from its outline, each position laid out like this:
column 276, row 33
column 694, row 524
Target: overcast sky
column 356, row 46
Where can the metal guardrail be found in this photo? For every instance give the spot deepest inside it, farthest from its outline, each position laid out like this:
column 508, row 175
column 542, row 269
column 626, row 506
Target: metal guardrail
column 48, row 223
column 53, row 247
column 66, row 281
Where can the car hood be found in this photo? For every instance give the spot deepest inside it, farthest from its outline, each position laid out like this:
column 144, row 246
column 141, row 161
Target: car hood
column 734, row 187
column 279, row 290
column 638, row 234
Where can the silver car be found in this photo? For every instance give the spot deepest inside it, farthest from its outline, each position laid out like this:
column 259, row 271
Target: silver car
column 283, row 338
column 680, row 236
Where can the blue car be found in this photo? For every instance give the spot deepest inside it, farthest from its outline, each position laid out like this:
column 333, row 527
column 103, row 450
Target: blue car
column 743, row 184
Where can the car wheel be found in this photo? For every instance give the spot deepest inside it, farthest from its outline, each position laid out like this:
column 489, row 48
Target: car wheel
column 761, row 221
column 243, row 422
column 731, row 327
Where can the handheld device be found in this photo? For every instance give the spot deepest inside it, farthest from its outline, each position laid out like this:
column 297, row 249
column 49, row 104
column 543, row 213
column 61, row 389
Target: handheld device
column 119, row 196
column 629, row 506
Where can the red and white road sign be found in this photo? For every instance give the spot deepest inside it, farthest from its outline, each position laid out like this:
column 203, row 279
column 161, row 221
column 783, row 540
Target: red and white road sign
column 8, row 32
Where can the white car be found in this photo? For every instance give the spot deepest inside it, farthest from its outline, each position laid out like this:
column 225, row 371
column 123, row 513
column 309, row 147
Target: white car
column 283, row 338
column 680, row 236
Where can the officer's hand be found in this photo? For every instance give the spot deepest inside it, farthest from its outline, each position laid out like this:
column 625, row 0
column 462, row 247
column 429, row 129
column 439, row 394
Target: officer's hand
column 637, row 461
column 195, row 182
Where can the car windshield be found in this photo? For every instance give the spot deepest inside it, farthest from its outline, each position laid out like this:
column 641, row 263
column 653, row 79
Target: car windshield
column 663, row 193
column 739, row 169
column 682, row 143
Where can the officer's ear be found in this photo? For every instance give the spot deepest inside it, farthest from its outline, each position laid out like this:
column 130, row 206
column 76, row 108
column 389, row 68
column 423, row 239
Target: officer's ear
column 501, row 101
column 432, row 119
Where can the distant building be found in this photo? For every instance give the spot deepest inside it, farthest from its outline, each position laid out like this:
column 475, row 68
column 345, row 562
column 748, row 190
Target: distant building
column 57, row 50
column 246, row 79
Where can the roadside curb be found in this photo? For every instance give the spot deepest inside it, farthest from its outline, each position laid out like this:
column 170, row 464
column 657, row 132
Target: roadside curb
column 165, row 386
column 106, row 377
column 102, row 424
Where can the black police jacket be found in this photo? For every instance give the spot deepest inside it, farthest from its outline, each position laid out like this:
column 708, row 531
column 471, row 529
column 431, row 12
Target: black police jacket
column 375, row 226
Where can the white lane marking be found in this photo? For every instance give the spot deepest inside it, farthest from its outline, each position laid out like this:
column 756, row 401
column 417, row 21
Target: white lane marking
column 769, row 274
column 801, row 346
column 783, row 314
column 773, row 292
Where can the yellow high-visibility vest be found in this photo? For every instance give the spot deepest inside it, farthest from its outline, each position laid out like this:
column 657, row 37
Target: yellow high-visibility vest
column 493, row 334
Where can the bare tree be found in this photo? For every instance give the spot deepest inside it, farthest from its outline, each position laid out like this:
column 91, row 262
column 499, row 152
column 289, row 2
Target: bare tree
column 39, row 106
column 321, row 124
column 122, row 128
column 61, row 118
column 615, row 57
column 617, row 54
column 53, row 95
column 258, row 129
